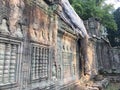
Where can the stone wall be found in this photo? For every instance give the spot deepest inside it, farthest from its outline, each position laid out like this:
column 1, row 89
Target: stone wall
column 115, row 60
column 38, row 50
column 109, row 62
column 103, row 60
column 104, row 56
column 107, row 57
column 93, row 29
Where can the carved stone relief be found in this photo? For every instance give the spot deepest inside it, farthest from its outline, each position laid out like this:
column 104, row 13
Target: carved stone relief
column 51, row 26
column 4, row 10
column 59, row 57
column 54, row 72
column 4, row 27
column 16, row 12
column 39, row 27
column 66, row 57
column 18, row 32
column 10, row 15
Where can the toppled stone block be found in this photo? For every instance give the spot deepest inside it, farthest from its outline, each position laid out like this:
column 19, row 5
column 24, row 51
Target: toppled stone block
column 105, row 82
column 101, row 84
column 92, row 88
column 98, row 78
column 114, row 79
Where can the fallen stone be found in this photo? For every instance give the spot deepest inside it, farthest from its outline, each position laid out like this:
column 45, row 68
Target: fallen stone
column 92, row 88
column 101, row 84
column 98, row 78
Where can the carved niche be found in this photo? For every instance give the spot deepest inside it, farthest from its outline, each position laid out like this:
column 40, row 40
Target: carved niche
column 15, row 16
column 4, row 10
column 3, row 18
column 4, row 27
column 66, row 57
column 10, row 16
column 40, row 26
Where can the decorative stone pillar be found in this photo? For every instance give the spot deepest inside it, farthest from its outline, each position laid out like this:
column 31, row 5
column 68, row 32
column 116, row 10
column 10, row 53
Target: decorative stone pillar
column 26, row 61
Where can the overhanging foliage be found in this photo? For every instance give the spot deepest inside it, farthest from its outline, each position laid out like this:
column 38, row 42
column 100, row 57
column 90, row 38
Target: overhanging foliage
column 97, row 9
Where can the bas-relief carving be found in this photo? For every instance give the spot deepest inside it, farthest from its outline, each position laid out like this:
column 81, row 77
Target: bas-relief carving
column 54, row 72
column 4, row 10
column 51, row 29
column 3, row 18
column 4, row 27
column 41, row 27
column 38, row 34
column 10, row 26
column 67, row 60
column 18, row 32
column 16, row 12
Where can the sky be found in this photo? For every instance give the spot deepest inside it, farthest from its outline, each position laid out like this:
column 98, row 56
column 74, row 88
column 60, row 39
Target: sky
column 116, row 3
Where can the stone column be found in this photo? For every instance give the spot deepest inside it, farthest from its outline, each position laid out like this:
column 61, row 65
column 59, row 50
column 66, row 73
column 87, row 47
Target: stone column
column 26, row 61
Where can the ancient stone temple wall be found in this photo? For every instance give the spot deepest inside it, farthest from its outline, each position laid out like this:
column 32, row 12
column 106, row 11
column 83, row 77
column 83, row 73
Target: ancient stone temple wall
column 100, row 55
column 38, row 50
column 109, row 60
column 115, row 60
column 42, row 49
column 93, row 29
column 106, row 57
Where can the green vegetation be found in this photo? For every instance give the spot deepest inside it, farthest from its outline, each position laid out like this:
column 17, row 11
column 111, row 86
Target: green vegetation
column 114, row 36
column 117, row 17
column 97, row 9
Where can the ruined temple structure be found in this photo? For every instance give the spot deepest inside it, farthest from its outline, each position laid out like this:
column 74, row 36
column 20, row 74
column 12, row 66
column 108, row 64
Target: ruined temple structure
column 104, row 59
column 40, row 45
column 44, row 45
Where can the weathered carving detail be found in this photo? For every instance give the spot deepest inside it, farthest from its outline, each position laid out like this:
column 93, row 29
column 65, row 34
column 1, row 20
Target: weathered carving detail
column 39, row 27
column 16, row 12
column 18, row 32
column 54, row 71
column 10, row 15
column 4, row 10
column 4, row 27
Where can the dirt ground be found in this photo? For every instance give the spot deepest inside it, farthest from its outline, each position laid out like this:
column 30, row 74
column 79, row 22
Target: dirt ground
column 113, row 86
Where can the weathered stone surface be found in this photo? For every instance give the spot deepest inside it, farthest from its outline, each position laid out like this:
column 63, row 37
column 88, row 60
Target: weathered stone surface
column 107, row 58
column 102, row 83
column 4, row 27
column 92, row 88
column 51, row 49
column 48, row 55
